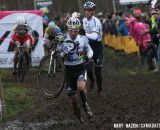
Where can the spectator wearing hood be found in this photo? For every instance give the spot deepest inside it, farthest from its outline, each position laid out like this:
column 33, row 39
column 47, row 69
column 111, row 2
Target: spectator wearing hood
column 121, row 25
column 45, row 20
column 137, row 29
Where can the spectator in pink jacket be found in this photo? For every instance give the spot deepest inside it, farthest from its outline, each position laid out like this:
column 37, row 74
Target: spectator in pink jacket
column 137, row 29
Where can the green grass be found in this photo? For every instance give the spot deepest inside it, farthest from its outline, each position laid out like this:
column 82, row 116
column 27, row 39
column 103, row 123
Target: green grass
column 16, row 99
column 17, row 96
column 3, row 71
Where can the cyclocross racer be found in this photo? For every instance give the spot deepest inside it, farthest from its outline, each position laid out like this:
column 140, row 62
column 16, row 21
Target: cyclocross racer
column 93, row 31
column 74, row 64
column 21, row 36
column 51, row 31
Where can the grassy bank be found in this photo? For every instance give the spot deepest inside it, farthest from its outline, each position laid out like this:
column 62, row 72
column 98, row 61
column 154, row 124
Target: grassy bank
column 16, row 98
column 16, row 95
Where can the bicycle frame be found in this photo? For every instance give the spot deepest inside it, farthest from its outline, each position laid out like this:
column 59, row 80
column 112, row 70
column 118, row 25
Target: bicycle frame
column 21, row 63
column 21, row 51
column 50, row 64
column 52, row 54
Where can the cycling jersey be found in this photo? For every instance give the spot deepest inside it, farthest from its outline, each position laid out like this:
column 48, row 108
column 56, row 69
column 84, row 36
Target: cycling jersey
column 91, row 26
column 76, row 55
column 22, row 40
column 21, row 33
column 94, row 26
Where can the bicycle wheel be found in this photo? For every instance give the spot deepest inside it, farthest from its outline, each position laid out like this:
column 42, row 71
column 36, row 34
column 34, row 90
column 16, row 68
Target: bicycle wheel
column 22, row 69
column 50, row 82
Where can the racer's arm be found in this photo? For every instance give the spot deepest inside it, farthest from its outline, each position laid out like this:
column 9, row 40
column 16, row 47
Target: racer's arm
column 31, row 39
column 13, row 39
column 95, row 32
column 13, row 36
column 88, row 49
column 92, row 36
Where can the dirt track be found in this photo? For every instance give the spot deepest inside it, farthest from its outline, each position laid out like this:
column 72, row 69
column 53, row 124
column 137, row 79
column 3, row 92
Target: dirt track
column 131, row 95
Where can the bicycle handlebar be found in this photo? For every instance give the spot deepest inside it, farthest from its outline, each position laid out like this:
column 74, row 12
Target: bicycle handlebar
column 19, row 46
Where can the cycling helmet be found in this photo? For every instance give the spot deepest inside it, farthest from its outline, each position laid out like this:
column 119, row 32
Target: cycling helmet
column 46, row 18
column 76, row 14
column 153, row 3
column 20, row 20
column 100, row 14
column 89, row 5
column 73, row 23
column 44, row 10
column 51, row 25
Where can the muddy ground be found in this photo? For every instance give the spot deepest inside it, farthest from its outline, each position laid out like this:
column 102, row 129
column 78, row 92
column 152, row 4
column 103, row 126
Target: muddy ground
column 131, row 95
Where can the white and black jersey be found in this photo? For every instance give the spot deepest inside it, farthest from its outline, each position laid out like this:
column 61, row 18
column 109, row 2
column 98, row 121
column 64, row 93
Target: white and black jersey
column 93, row 25
column 73, row 61
column 76, row 55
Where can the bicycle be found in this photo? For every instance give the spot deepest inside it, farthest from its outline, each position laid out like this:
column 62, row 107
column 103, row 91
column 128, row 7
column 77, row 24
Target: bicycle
column 50, row 79
column 51, row 70
column 22, row 64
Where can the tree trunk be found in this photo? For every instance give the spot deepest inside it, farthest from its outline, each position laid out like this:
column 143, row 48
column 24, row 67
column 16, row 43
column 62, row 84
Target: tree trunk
column 80, row 6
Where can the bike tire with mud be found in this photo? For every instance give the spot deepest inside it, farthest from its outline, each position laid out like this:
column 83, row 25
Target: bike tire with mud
column 21, row 70
column 51, row 84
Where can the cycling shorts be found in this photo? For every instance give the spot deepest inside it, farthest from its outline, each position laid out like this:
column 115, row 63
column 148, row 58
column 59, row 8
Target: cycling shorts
column 73, row 74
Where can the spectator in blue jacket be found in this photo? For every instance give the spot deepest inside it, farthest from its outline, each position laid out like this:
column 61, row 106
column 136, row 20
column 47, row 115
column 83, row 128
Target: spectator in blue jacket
column 122, row 28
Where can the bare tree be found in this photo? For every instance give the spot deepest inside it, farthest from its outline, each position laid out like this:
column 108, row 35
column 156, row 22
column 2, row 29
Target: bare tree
column 80, row 6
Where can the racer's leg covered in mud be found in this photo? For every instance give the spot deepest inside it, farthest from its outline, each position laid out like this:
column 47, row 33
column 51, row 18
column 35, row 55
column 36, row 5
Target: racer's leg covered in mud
column 28, row 49
column 76, row 108
column 98, row 61
column 89, row 68
column 81, row 86
column 15, row 60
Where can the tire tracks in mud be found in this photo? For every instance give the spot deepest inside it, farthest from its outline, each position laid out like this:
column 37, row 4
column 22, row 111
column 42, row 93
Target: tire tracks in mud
column 127, row 98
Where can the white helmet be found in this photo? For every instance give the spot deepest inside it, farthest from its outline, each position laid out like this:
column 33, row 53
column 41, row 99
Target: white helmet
column 100, row 14
column 76, row 14
column 89, row 5
column 73, row 23
column 153, row 3
column 20, row 20
column 45, row 10
column 51, row 25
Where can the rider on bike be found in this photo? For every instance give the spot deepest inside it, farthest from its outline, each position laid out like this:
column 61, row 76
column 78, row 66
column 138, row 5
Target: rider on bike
column 50, row 34
column 74, row 64
column 21, row 36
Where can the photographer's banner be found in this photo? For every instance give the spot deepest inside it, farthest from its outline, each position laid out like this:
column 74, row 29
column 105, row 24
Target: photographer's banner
column 7, row 23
